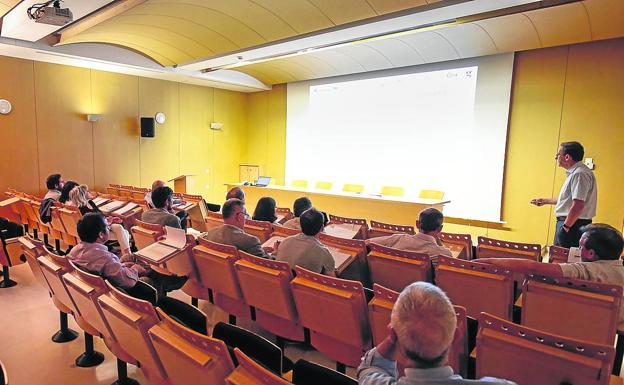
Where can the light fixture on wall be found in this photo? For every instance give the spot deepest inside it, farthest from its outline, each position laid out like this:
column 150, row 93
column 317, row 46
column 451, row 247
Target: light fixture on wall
column 216, row 126
column 160, row 117
column 5, row 107
column 94, row 117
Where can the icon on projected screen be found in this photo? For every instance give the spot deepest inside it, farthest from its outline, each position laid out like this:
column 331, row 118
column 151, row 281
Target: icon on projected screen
column 469, row 74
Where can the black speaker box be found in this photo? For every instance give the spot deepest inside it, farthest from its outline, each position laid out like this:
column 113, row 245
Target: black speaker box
column 147, row 127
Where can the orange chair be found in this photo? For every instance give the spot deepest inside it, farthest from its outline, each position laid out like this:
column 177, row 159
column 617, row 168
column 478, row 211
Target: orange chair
column 216, row 272
column 362, row 230
column 266, row 286
column 558, row 254
column 530, row 356
column 476, row 286
column 213, row 220
column 495, row 248
column 573, row 308
column 462, row 240
column 380, row 229
column 355, row 265
column 145, row 234
column 283, row 214
column 249, row 372
column 395, row 268
column 281, row 231
column 188, row 356
column 10, row 255
column 70, row 216
column 261, row 229
column 129, row 320
column 335, row 311
column 380, row 309
column 139, row 193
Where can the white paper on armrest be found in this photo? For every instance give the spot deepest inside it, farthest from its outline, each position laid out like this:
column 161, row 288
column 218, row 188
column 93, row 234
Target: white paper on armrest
column 174, row 237
column 126, row 208
column 574, row 255
column 112, row 206
column 342, row 230
column 100, row 201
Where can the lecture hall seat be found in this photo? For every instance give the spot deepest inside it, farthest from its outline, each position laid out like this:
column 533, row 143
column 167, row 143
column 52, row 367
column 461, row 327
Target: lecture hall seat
column 392, row 191
column 530, row 356
column 558, row 254
column 188, row 356
column 144, row 234
column 260, row 229
column 281, row 231
column 395, row 269
column 380, row 229
column 249, row 372
column 496, row 248
column 309, row 373
column 336, row 313
column 362, row 231
column 462, row 240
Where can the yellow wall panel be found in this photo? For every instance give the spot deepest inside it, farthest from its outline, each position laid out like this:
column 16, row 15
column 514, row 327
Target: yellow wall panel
column 160, row 155
column 196, row 137
column 65, row 138
column 116, row 137
column 19, row 167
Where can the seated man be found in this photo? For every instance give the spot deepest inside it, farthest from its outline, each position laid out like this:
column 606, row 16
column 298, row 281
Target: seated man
column 301, row 205
column 162, row 214
column 600, row 246
column 429, row 225
column 422, row 327
column 232, row 231
column 54, row 183
column 93, row 256
column 236, row 193
column 148, row 196
column 182, row 214
column 305, row 250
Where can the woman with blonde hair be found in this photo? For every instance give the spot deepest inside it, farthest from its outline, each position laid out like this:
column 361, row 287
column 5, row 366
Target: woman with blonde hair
column 81, row 198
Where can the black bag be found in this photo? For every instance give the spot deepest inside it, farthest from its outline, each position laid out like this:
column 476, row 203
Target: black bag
column 10, row 229
column 45, row 210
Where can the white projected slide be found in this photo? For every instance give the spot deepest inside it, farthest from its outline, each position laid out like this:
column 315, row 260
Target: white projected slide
column 440, row 127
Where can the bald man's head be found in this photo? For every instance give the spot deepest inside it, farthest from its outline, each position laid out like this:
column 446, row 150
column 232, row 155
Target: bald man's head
column 236, row 193
column 157, row 184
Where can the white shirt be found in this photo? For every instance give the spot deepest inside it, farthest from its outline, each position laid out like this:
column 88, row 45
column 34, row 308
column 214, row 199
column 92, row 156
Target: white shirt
column 580, row 184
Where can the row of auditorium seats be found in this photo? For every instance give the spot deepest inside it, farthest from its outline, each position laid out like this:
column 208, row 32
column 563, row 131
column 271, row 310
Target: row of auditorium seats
column 167, row 352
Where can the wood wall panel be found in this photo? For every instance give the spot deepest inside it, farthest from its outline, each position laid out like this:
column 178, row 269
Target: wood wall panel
column 65, row 138
column 19, row 168
column 116, row 153
column 160, row 155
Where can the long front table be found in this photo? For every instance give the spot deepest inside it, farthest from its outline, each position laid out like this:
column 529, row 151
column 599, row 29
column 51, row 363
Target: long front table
column 395, row 210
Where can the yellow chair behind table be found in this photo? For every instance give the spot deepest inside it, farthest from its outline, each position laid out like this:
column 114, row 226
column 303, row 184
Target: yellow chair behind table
column 496, row 248
column 464, row 240
column 323, row 185
column 299, row 183
column 476, row 286
column 392, row 191
column 249, row 372
column 585, row 310
column 380, row 229
column 529, row 356
column 336, row 313
column 144, row 234
column 354, row 188
column 380, row 309
column 395, row 269
column 188, row 356
column 266, row 287
column 216, row 272
column 431, row 194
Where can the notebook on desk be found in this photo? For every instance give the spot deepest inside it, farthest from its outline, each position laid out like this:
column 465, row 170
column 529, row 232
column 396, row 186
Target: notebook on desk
column 99, row 201
column 125, row 209
column 159, row 252
column 112, row 206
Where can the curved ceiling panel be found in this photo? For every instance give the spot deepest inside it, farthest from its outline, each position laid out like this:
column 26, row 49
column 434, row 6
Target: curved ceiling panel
column 605, row 17
column 343, row 63
column 511, row 33
column 398, row 52
column 368, row 56
column 432, row 46
column 6, row 6
column 198, row 29
column 564, row 24
column 469, row 40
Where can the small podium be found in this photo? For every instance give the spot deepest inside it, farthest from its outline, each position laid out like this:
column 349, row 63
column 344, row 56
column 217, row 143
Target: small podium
column 182, row 183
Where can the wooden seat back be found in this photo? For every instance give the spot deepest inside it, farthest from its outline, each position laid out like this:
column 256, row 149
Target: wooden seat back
column 266, row 286
column 113, row 189
column 496, row 248
column 380, row 310
column 558, row 254
column 125, row 191
column 281, row 231
column 578, row 309
column 32, row 250
column 213, row 220
column 476, row 286
column 216, row 272
column 70, row 216
column 260, row 229
column 249, row 372
column 188, row 356
column 145, row 234
column 380, row 229
column 130, row 319
column 464, row 240
column 356, row 249
column 529, row 356
column 139, row 193
column 53, row 268
column 363, row 231
column 395, row 268
column 335, row 311
column 284, row 214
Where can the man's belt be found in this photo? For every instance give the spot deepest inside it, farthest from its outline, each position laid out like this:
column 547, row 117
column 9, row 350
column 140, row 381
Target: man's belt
column 561, row 218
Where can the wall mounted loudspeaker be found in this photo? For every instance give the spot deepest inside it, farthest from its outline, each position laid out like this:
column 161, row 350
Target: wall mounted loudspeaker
column 147, row 127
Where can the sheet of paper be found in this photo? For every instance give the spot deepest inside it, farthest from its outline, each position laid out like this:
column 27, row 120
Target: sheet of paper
column 271, row 241
column 156, row 252
column 174, row 237
column 127, row 208
column 574, row 255
column 342, row 230
column 100, row 201
column 112, row 206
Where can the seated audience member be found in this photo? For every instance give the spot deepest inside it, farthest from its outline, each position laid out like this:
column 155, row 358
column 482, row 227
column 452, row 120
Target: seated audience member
column 92, row 256
column 265, row 210
column 422, row 326
column 301, row 205
column 304, row 249
column 429, row 225
column 55, row 184
column 182, row 214
column 232, row 231
column 67, row 187
column 237, row 193
column 80, row 197
column 601, row 248
column 148, row 196
column 162, row 214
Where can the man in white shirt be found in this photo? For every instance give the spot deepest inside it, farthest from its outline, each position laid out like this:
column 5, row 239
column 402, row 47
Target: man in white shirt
column 54, row 183
column 576, row 205
column 427, row 241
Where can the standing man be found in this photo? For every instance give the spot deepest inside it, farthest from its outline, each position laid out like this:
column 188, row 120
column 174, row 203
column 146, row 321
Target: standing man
column 576, row 205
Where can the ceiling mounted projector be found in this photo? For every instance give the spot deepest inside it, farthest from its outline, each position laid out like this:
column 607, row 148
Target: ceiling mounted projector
column 53, row 15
